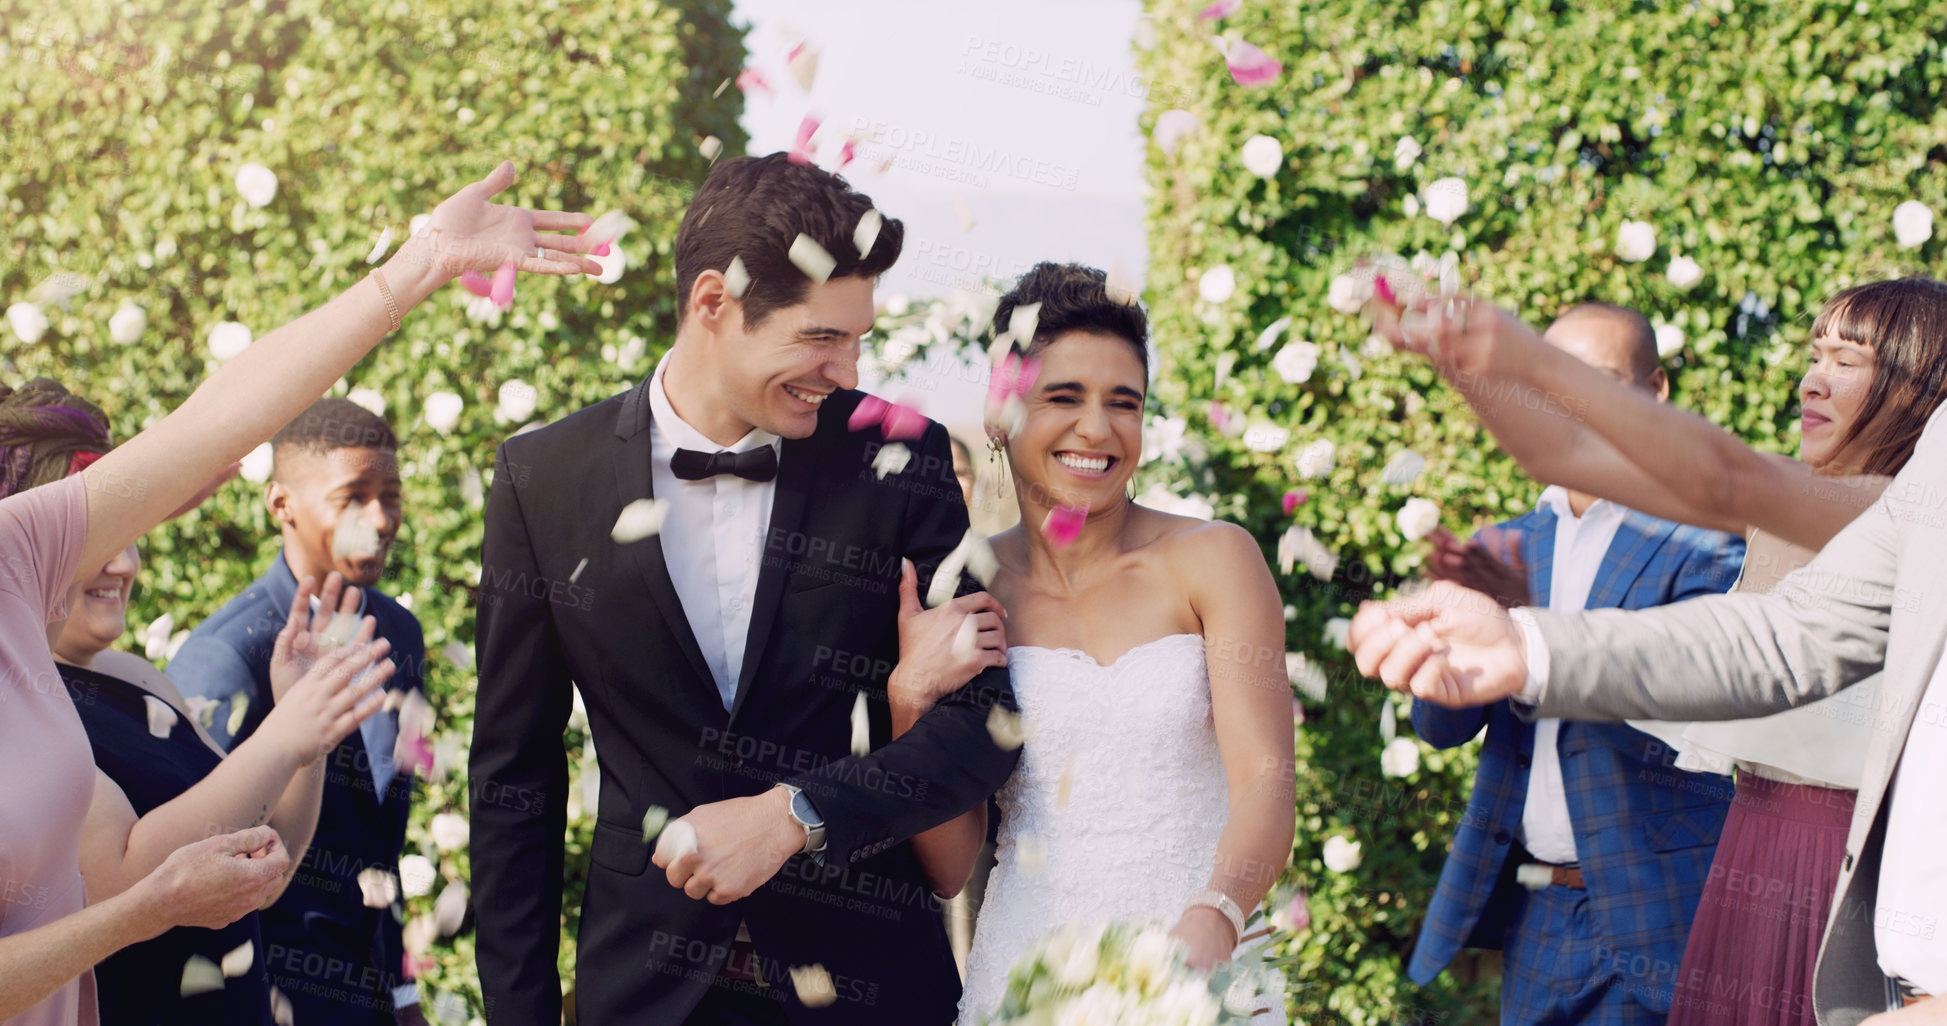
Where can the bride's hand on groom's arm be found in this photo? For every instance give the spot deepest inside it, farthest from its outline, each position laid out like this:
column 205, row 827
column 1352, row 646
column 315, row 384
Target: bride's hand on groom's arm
column 740, row 844
column 935, row 657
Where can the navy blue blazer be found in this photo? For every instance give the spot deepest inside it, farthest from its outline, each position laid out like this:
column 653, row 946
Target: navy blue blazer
column 1645, row 832
column 337, row 960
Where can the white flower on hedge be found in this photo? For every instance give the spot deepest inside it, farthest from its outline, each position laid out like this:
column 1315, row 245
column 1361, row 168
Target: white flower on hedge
column 1684, row 273
column 1317, row 459
column 1172, row 127
column 1217, row 284
column 1406, row 152
column 612, row 265
column 450, row 831
column 257, row 465
column 1163, row 439
column 1295, row 362
column 1417, row 518
column 1262, row 155
column 1159, row 497
column 631, row 351
column 1298, row 545
column 228, row 340
column 28, row 322
column 442, row 411
column 257, row 184
column 517, row 400
column 1400, row 758
column 1446, row 200
column 1669, row 340
column 368, row 398
column 1405, row 466
column 128, row 324
column 1266, row 437
column 1912, row 223
column 1636, row 241
column 417, row 874
column 1348, row 295
column 1337, row 630
column 1342, row 855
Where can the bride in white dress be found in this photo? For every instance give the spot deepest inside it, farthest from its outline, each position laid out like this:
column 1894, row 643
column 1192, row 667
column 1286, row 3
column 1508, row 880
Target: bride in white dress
column 1147, row 656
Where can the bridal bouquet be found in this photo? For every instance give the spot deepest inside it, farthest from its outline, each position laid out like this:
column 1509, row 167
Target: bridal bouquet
column 1122, row 975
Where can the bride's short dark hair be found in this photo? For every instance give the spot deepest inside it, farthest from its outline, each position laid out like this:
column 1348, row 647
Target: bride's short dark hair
column 1073, row 297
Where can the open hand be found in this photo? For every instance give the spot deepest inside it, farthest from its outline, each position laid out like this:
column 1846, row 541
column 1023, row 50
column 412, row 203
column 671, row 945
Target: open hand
column 306, row 629
column 938, row 652
column 337, row 685
column 1467, row 339
column 740, row 844
column 1489, row 562
column 1449, row 645
column 468, row 232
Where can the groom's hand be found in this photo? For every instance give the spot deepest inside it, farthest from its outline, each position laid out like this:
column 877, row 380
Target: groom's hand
column 1449, row 645
column 740, row 844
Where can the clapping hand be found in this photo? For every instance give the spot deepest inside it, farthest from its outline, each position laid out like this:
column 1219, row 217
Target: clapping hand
column 1489, row 562
column 1449, row 645
column 325, row 685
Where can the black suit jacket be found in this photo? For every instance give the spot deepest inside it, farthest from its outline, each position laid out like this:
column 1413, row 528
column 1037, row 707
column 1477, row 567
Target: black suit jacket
column 823, row 629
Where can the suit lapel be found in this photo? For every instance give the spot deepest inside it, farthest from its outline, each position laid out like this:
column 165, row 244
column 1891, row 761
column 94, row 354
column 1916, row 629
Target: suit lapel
column 794, row 481
column 1538, row 554
column 633, row 480
column 1636, row 542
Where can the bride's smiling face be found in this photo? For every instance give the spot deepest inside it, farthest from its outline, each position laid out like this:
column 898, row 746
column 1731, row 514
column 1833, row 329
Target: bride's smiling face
column 1083, row 435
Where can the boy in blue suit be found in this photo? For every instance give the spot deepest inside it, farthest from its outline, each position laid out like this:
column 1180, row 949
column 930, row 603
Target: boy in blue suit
column 1584, row 851
column 335, row 491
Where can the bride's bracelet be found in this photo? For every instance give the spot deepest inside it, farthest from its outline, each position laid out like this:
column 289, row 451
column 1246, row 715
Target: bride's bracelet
column 1224, row 904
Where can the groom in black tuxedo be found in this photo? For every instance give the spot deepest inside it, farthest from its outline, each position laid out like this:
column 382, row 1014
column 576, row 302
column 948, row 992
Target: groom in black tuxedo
column 720, row 658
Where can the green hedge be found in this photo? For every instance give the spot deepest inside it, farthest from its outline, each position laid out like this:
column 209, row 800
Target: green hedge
column 1769, row 142
column 127, row 124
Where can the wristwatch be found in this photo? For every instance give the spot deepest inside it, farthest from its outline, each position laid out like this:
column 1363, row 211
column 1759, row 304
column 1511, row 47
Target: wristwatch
column 807, row 817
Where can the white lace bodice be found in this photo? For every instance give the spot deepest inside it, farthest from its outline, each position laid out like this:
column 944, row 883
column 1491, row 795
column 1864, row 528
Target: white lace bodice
column 1115, row 810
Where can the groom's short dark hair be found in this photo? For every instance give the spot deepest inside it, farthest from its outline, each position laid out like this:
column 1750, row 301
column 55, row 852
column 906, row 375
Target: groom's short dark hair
column 754, row 208
column 1073, row 297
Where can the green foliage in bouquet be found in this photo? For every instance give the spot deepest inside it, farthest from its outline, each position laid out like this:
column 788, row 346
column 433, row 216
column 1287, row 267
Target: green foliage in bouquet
column 1720, row 166
column 1123, row 974
column 129, row 124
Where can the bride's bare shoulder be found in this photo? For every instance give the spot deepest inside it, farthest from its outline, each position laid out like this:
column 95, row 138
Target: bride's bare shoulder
column 1204, row 546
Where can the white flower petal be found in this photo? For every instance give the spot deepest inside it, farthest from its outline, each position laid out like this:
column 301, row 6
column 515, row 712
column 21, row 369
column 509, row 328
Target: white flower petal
column 1635, row 241
column 736, row 278
column 1417, row 518
column 1342, row 855
column 1669, row 340
column 640, row 519
column 1172, row 127
column 239, row 960
column 128, row 324
column 162, row 716
column 891, row 458
column 1403, row 468
column 200, row 976
column 1446, row 200
column 1296, row 362
column 257, row 184
column 1912, row 224
column 442, row 411
column 867, row 231
column 228, row 339
column 380, row 247
column 1262, row 156
column 378, row 887
column 450, row 831
column 1217, row 284
column 1401, row 757
column 1684, row 272
column 1317, row 459
column 417, row 875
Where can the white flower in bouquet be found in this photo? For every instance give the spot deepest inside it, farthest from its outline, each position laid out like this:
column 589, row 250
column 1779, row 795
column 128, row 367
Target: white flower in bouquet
column 1418, row 518
column 1262, row 155
column 1188, row 1002
column 1295, row 362
column 1446, row 200
column 1342, row 855
column 1151, row 959
column 1076, row 956
column 1669, row 340
column 1684, row 273
column 1912, row 224
column 1317, row 459
column 1401, row 758
column 1636, row 241
column 1347, row 294
column 257, row 184
column 1217, row 284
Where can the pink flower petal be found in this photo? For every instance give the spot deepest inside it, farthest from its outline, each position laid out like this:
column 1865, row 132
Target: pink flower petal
column 1252, row 67
column 751, row 78
column 871, row 410
column 415, row 966
column 902, row 423
column 846, row 153
column 1219, row 417
column 476, row 283
column 1294, row 499
column 1384, row 290
column 1064, row 525
column 1220, row 9
column 801, row 146
column 503, row 285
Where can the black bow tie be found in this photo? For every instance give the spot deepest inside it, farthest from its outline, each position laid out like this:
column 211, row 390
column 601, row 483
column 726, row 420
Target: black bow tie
column 759, row 464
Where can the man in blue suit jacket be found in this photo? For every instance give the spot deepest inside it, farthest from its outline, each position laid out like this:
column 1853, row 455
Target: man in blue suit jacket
column 335, row 490
column 1582, row 857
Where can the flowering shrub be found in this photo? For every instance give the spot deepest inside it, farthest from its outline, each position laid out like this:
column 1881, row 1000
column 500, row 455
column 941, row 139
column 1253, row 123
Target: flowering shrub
column 1537, row 153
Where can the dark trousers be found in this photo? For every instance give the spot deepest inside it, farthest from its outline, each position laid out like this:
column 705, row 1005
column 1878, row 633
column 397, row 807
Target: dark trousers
column 737, row 1003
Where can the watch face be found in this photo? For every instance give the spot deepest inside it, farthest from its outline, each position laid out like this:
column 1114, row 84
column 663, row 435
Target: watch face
column 801, row 808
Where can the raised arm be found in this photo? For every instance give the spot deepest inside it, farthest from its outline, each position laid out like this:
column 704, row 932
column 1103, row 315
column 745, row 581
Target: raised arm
column 147, row 478
column 1233, row 594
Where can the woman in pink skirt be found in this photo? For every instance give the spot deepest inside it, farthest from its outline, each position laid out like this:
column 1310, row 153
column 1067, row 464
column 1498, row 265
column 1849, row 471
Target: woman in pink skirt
column 49, row 936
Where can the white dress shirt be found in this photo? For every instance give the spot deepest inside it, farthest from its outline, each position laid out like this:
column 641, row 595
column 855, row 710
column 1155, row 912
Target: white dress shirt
column 1910, row 911
column 1580, row 544
column 712, row 537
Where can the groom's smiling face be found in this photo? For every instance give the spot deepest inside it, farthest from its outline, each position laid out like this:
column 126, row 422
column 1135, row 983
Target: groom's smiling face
column 775, row 375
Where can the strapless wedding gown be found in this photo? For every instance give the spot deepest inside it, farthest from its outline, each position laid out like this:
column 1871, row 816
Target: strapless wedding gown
column 1115, row 809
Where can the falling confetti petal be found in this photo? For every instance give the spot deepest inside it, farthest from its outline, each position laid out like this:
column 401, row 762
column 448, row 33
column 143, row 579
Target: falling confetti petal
column 1064, row 525
column 1403, row 468
column 861, row 727
column 379, row 247
column 394, row 698
column 736, row 280
column 964, row 212
column 897, row 422
column 814, row 985
column 677, row 840
column 868, row 231
column 710, row 147
column 1294, row 499
column 1121, row 286
column 811, row 258
column 449, row 910
column 354, row 536
column 1172, row 127
column 200, row 976
column 477, row 283
column 801, row 148
column 721, row 86
column 239, row 705
column 751, row 78
column 579, row 567
column 966, row 638
column 1269, row 336
column 1220, row 9
column 891, row 459
column 239, row 960
column 803, row 63
column 608, row 228
column 162, row 717
column 503, row 286
column 280, row 1008
column 378, row 887
column 1066, row 787
column 1023, row 322
column 973, row 555
column 653, row 822
column 203, row 709
column 1262, row 156
column 640, row 519
column 1250, row 66
column 1007, row 729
